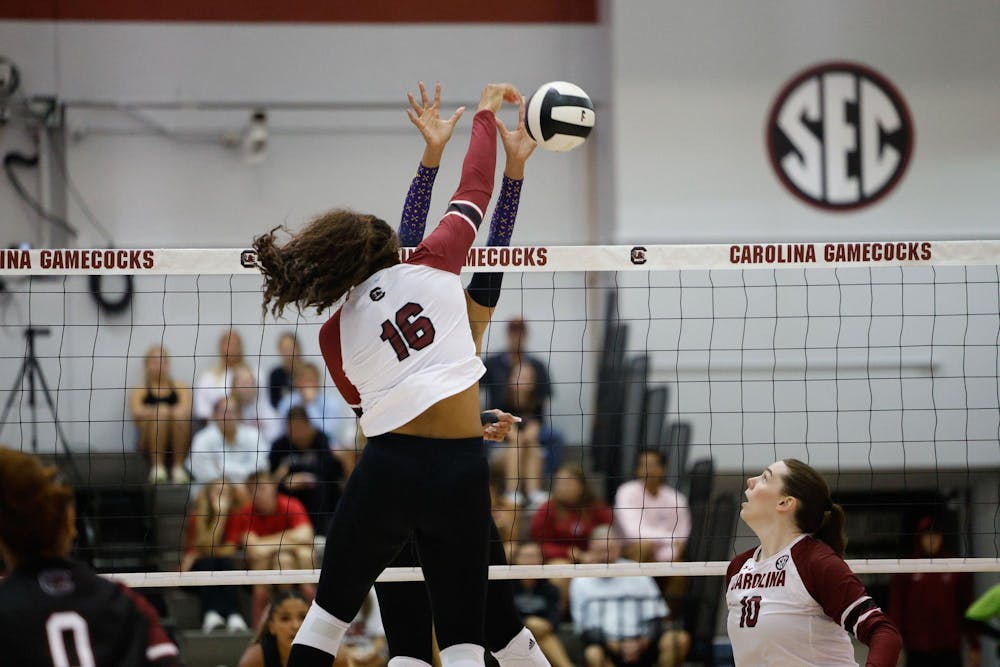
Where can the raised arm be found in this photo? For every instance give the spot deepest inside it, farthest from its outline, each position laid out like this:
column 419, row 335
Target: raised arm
column 483, row 291
column 436, row 133
column 446, row 247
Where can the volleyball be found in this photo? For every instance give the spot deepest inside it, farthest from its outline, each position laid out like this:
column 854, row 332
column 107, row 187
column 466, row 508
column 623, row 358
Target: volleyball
column 559, row 116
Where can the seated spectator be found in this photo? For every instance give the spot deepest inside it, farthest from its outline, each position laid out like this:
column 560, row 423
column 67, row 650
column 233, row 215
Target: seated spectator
column 519, row 383
column 216, row 382
column 327, row 411
column 205, row 549
column 306, row 469
column 255, row 409
column 279, row 381
column 161, row 409
column 652, row 518
column 225, row 448
column 273, row 530
column 364, row 643
column 283, row 616
column 928, row 607
column 620, row 619
column 537, row 600
column 562, row 525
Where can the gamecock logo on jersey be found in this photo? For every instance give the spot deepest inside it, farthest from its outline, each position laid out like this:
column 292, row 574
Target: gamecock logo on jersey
column 839, row 136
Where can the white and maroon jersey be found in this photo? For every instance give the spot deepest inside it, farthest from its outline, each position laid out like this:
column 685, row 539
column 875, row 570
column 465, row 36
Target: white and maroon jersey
column 401, row 342
column 797, row 607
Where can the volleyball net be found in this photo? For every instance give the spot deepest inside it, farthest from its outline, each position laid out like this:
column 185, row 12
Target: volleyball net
column 877, row 363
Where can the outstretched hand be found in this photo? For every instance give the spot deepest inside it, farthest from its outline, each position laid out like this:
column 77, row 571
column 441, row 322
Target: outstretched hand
column 495, row 94
column 426, row 117
column 516, row 143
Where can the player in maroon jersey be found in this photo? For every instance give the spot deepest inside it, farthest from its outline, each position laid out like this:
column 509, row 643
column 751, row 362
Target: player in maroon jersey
column 401, row 351
column 55, row 612
column 793, row 600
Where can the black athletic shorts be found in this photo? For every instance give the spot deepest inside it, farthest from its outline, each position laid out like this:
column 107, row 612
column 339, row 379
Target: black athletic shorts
column 434, row 492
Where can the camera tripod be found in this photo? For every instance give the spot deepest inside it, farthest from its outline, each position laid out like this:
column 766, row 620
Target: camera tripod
column 32, row 371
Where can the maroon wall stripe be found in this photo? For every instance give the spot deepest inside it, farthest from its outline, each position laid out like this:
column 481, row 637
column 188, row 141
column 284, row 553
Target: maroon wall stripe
column 306, row 11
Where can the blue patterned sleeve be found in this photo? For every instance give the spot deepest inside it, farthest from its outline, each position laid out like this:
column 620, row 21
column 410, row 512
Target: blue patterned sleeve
column 484, row 288
column 418, row 202
column 505, row 213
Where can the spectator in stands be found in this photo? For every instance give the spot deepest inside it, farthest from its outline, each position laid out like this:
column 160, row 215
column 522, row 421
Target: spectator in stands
column 652, row 518
column 225, row 448
column 274, row 532
column 270, row 648
column 161, row 410
column 537, row 600
column 205, row 549
column 279, row 381
column 327, row 411
column 928, row 607
column 506, row 515
column 255, row 409
column 305, row 468
column 620, row 619
column 518, row 383
column 364, row 642
column 216, row 382
column 562, row 526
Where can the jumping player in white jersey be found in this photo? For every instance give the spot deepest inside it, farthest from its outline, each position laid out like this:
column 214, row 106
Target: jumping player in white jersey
column 793, row 600
column 400, row 350
column 406, row 611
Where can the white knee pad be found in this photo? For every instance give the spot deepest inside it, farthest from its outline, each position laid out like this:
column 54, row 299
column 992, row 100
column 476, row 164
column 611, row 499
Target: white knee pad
column 321, row 630
column 403, row 661
column 462, row 655
column 522, row 651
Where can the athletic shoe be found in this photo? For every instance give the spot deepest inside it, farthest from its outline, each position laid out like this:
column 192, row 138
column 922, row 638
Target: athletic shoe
column 157, row 474
column 180, row 475
column 213, row 621
column 235, row 623
column 537, row 499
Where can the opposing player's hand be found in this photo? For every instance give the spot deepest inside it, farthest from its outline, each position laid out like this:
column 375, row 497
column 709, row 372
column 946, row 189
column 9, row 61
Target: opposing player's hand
column 427, row 118
column 498, row 430
column 517, row 144
column 495, row 94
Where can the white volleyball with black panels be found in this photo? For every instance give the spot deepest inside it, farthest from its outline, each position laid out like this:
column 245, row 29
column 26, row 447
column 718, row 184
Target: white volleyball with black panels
column 559, row 116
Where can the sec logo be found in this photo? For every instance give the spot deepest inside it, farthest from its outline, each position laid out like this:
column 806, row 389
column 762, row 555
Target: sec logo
column 839, row 136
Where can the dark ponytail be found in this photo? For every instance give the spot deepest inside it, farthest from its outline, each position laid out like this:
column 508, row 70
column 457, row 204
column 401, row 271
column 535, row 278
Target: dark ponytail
column 318, row 265
column 816, row 515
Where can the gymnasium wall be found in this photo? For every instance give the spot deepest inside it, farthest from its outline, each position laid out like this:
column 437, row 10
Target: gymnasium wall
column 165, row 180
column 693, row 85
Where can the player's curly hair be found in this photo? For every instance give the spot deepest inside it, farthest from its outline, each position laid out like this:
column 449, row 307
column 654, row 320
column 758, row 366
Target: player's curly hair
column 33, row 507
column 816, row 514
column 318, row 265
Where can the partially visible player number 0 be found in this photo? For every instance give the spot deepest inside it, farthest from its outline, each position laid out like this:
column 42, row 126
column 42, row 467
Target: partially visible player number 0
column 750, row 611
column 409, row 332
column 61, row 624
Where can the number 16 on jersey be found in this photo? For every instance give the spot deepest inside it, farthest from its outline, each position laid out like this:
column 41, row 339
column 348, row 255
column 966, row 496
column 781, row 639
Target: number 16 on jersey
column 411, row 330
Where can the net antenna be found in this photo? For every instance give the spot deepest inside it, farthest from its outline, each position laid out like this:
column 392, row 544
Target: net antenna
column 32, row 371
